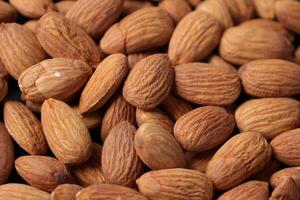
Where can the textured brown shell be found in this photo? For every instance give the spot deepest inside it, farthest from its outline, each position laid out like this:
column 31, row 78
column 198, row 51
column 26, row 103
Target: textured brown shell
column 22, row 192
column 176, row 8
column 65, row 191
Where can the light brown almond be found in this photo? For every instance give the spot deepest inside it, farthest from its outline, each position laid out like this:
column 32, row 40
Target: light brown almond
column 7, row 12
column 65, row 192
column 22, row 192
column 287, row 190
column 176, row 8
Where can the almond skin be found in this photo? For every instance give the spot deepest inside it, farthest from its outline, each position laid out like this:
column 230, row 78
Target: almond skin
column 268, row 116
column 22, row 192
column 120, row 161
column 92, row 120
column 204, row 128
column 197, row 83
column 22, row 49
column 279, row 177
column 239, row 158
column 43, row 172
column 194, row 38
column 3, row 88
column 265, row 9
column 65, row 191
column 7, row 12
column 69, row 140
column 64, row 6
column 176, row 8
column 7, row 154
column 241, row 10
column 167, row 152
column 105, row 81
column 59, row 78
column 149, row 82
column 288, row 189
column 128, row 36
column 177, row 184
column 54, row 31
column 24, row 128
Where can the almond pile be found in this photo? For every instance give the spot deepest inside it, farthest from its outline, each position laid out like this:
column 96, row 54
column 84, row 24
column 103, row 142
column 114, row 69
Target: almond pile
column 150, row 100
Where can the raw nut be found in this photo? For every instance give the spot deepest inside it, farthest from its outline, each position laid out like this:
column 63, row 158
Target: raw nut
column 43, row 172
column 180, row 184
column 120, row 161
column 199, row 161
column 245, row 43
column 265, row 8
column 69, row 140
column 127, row 36
column 59, row 78
column 131, row 6
column 22, row 49
column 64, row 6
column 32, row 25
column 3, row 87
column 288, row 189
column 239, row 158
column 204, row 128
column 149, row 82
column 251, row 190
column 219, row 61
column 194, row 3
column 7, row 12
column 22, row 192
column 90, row 172
column 136, row 57
column 92, row 120
column 24, row 128
column 194, row 38
column 270, row 168
column 268, row 116
column 108, row 192
column 104, row 82
column 65, row 192
column 118, row 110
column 7, row 154
column 288, row 14
column 176, row 8
column 54, row 31
column 33, row 106
column 167, row 152
column 286, row 147
column 87, row 14
column 219, row 10
column 241, row 10
column 291, row 172
column 207, row 84
column 270, row 78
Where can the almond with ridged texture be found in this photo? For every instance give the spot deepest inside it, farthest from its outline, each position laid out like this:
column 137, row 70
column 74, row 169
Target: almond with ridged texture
column 92, row 120
column 268, row 116
column 270, row 78
column 64, row 6
column 17, row 191
column 179, row 184
column 43, row 172
column 120, row 162
column 288, row 14
column 54, row 31
column 3, row 88
column 109, row 192
column 7, row 154
column 219, row 10
column 104, row 82
column 22, row 49
column 149, row 82
column 204, row 128
column 87, row 15
column 167, row 152
column 287, row 190
column 251, row 190
column 280, row 176
column 265, row 8
column 118, row 110
column 90, row 172
column 65, row 191
column 32, row 25
column 176, row 8
column 239, row 158
column 69, row 140
column 7, row 12
column 131, row 6
column 33, row 8
column 128, row 35
column 241, row 10
column 194, row 38
column 59, row 78
column 24, row 128
column 207, row 84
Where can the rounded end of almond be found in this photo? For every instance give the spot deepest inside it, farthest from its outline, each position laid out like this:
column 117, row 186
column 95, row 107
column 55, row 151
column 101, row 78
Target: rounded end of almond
column 113, row 41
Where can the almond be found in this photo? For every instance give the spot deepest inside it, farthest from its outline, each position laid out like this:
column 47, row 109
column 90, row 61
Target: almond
column 268, row 116
column 270, row 78
column 24, row 128
column 288, row 190
column 64, row 6
column 239, row 158
column 128, row 36
column 176, row 8
column 207, row 84
column 120, row 161
column 199, row 161
column 59, row 78
column 149, row 82
column 69, row 140
column 241, row 10
column 43, row 172
column 105, row 81
column 22, row 192
column 91, row 120
column 131, row 6
column 22, row 49
column 177, row 183
column 65, row 191
column 194, row 38
column 279, row 177
column 32, row 25
column 54, row 31
column 204, row 128
column 265, row 8
column 167, row 152
column 86, row 15
column 7, row 12
column 3, row 88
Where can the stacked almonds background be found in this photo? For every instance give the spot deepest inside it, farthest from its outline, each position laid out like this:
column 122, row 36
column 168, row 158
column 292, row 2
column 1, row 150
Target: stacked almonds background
column 150, row 100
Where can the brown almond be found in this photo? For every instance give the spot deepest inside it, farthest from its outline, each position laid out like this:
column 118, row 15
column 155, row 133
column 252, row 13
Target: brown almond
column 65, row 192
column 290, row 172
column 7, row 12
column 288, row 190
column 131, row 6
column 22, row 192
column 241, row 10
column 3, row 88
column 265, row 9
column 92, row 120
column 176, row 8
